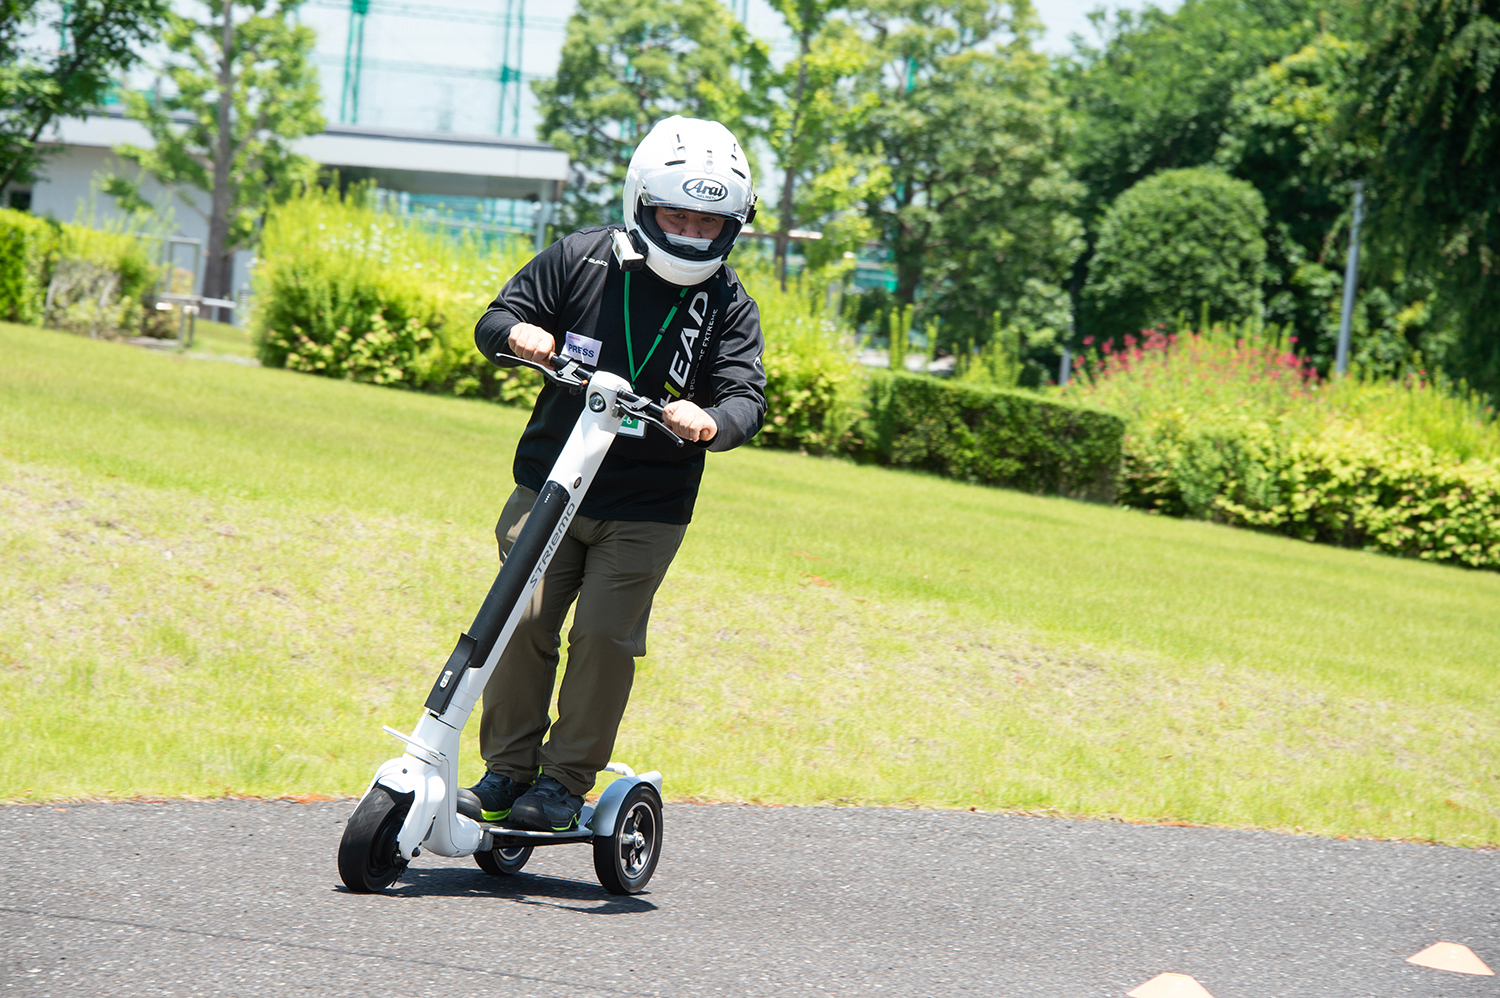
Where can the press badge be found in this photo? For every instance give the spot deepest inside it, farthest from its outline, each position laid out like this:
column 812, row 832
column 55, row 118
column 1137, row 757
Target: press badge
column 584, row 349
column 631, row 426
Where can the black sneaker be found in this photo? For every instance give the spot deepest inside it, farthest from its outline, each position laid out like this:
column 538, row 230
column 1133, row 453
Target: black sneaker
column 497, row 794
column 546, row 807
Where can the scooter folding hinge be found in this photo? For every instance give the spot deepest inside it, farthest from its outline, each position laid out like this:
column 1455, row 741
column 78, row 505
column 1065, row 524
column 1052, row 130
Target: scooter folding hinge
column 416, row 747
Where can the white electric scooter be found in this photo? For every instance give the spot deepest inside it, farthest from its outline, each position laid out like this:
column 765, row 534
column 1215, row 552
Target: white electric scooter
column 413, row 801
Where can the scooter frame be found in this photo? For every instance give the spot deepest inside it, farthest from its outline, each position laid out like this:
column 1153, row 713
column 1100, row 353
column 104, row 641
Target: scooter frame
column 426, row 774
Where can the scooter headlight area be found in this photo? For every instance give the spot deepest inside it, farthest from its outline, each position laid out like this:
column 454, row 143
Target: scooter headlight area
column 412, row 803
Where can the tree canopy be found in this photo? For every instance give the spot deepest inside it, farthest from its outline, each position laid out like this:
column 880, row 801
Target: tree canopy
column 98, row 40
column 241, row 87
column 626, row 64
column 1178, row 241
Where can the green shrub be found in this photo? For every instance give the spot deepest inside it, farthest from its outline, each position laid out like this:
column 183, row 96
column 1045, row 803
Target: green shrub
column 346, row 291
column 1236, row 431
column 26, row 245
column 1010, row 438
column 98, row 282
column 813, row 385
column 71, row 276
column 1344, row 487
column 1179, row 239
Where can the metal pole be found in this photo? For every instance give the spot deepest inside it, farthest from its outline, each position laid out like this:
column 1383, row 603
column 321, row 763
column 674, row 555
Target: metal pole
column 1064, row 367
column 511, row 47
column 354, row 57
column 520, row 53
column 1351, row 278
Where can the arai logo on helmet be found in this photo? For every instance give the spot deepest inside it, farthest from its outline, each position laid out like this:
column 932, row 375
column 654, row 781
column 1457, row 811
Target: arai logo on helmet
column 704, row 189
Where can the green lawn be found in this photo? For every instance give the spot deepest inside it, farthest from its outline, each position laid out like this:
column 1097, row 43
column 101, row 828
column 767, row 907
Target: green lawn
column 219, row 579
column 222, row 338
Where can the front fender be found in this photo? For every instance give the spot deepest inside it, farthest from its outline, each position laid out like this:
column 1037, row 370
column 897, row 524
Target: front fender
column 410, row 775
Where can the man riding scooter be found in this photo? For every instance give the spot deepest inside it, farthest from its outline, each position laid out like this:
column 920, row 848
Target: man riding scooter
column 682, row 330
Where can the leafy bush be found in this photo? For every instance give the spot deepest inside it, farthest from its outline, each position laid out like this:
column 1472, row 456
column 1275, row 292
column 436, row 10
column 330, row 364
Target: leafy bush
column 26, row 243
column 1178, row 239
column 98, row 281
column 813, row 385
column 1011, row 438
column 1345, row 487
column 72, row 276
column 1233, row 430
column 346, row 291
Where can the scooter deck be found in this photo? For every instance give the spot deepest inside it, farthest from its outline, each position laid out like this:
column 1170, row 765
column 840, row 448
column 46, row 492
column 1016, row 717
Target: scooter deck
column 507, row 836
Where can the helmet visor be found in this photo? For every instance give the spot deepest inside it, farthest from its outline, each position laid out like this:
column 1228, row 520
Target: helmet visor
column 717, row 249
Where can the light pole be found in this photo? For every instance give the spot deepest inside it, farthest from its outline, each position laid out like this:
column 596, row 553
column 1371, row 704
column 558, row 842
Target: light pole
column 1351, row 278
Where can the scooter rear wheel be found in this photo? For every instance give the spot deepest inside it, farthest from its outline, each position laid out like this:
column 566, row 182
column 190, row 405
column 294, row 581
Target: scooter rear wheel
column 369, row 858
column 503, row 861
column 625, row 856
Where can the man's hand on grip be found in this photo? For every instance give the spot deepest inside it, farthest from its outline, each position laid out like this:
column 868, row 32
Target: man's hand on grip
column 689, row 422
column 531, row 343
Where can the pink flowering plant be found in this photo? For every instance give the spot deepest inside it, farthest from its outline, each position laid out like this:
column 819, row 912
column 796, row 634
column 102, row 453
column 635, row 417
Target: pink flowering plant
column 1230, row 425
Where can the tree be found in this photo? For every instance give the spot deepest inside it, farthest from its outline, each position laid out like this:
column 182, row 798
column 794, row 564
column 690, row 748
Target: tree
column 978, row 217
column 1155, row 95
column 1430, row 103
column 1175, row 242
column 627, row 64
column 1283, row 134
column 98, row 42
column 824, row 182
column 242, row 87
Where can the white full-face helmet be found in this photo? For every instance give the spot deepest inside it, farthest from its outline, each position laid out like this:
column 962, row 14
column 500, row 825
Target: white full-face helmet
column 693, row 164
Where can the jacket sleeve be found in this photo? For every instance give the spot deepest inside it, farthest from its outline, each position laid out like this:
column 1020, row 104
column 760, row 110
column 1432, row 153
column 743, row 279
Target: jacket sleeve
column 535, row 294
column 737, row 379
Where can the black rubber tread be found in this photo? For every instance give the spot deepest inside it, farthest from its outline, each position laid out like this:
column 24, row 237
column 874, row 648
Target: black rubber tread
column 368, row 858
column 503, row 862
column 609, row 858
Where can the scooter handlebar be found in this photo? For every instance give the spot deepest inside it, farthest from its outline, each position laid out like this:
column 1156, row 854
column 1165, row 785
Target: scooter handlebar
column 568, row 373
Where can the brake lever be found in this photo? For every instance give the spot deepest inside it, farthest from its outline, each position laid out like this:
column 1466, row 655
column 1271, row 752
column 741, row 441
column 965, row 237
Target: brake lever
column 561, row 370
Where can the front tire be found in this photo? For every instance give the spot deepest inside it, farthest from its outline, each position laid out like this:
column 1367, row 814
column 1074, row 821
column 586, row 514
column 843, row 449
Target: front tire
column 503, row 861
column 625, row 858
column 369, row 858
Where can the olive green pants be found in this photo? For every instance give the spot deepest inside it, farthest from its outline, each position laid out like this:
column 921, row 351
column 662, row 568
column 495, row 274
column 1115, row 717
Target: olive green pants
column 612, row 568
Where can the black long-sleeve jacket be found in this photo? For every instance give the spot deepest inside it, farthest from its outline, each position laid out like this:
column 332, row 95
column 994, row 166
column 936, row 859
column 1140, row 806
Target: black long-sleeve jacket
column 709, row 354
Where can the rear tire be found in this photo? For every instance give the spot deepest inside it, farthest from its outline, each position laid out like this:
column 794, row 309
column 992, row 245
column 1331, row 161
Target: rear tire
column 369, row 858
column 625, row 857
column 503, row 861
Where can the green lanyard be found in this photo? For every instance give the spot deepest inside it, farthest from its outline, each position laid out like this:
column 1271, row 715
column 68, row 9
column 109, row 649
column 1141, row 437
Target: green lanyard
column 635, row 372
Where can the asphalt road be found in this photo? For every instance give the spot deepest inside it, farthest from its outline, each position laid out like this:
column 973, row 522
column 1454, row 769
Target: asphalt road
column 243, row 898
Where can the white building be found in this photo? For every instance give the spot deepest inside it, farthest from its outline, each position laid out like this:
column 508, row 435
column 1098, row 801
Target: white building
column 426, row 165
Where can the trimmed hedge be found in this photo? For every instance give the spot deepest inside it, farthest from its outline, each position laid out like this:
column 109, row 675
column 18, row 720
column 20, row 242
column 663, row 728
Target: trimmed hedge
column 1344, row 487
column 993, row 436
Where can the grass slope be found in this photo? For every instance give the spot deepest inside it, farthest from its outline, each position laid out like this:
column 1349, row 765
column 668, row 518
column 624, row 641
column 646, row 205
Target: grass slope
column 221, row 579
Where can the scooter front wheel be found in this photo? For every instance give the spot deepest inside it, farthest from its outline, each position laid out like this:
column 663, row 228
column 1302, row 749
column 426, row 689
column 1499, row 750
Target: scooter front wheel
column 625, row 856
column 369, row 857
column 503, row 861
